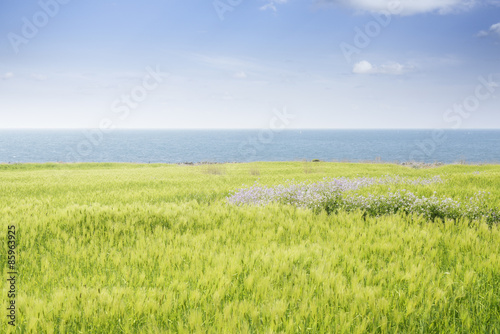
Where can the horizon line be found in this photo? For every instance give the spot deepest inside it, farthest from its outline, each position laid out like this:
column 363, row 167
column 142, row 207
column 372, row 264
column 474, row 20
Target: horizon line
column 255, row 129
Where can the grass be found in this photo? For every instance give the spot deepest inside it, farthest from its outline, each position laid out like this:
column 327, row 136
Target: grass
column 214, row 169
column 131, row 248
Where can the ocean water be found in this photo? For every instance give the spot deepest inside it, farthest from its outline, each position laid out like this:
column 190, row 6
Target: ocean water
column 177, row 146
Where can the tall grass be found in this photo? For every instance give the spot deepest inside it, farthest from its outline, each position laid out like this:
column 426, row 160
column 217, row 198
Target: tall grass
column 121, row 248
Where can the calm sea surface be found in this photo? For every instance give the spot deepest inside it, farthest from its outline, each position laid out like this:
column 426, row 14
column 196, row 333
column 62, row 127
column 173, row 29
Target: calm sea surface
column 176, row 146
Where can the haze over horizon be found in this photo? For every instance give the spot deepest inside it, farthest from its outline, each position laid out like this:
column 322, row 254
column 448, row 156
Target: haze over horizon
column 340, row 64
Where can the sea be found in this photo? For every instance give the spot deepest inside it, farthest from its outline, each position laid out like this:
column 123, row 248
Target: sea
column 219, row 146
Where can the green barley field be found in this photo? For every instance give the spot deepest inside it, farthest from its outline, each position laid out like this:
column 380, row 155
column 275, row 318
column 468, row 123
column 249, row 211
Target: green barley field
column 133, row 248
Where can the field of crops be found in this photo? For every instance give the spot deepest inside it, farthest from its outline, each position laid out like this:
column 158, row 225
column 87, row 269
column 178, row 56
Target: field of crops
column 125, row 248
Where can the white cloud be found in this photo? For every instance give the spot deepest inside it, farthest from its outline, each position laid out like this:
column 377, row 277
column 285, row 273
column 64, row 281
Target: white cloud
column 7, row 76
column 365, row 67
column 407, row 7
column 272, row 5
column 38, row 76
column 240, row 75
column 494, row 30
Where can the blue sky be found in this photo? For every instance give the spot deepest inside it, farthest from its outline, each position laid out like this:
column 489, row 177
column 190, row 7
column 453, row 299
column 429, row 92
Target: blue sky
column 233, row 63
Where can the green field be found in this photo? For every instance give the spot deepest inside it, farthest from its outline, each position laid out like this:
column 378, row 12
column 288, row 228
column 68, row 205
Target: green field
column 126, row 248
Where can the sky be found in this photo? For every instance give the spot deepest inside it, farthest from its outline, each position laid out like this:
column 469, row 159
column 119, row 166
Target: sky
column 188, row 64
